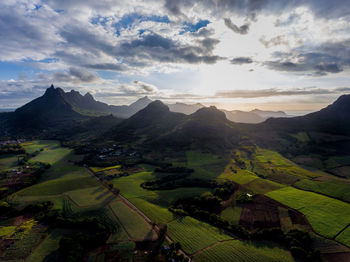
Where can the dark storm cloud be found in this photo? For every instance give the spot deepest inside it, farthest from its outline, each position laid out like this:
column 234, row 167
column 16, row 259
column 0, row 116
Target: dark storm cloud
column 243, row 29
column 241, row 60
column 280, row 92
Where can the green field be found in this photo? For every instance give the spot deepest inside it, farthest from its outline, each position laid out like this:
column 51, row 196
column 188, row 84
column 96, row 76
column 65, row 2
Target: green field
column 51, row 152
column 91, row 196
column 344, row 237
column 134, row 224
column 241, row 177
column 100, row 169
column 194, row 235
column 8, row 162
column 334, row 189
column 154, row 212
column 206, row 166
column 277, row 168
column 130, row 185
column 58, row 186
column 235, row 250
column 262, row 186
column 326, row 215
column 232, row 214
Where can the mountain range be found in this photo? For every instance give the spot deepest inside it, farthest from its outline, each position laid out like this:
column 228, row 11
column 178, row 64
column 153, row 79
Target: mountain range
column 156, row 122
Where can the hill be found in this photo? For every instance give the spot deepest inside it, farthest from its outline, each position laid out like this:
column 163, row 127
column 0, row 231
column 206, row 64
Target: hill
column 334, row 119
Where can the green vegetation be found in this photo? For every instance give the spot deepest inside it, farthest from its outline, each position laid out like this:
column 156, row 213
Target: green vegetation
column 272, row 165
column 130, row 185
column 58, row 186
column 240, row 176
column 302, row 137
column 336, row 189
column 235, row 250
column 134, row 224
column 100, row 169
column 193, row 234
column 206, row 166
column 344, row 237
column 47, row 247
column 327, row 216
column 50, row 151
column 262, row 186
column 8, row 162
column 154, row 212
column 232, row 214
column 91, row 196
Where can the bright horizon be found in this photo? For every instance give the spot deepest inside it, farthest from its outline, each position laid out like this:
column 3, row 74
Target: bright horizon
column 269, row 55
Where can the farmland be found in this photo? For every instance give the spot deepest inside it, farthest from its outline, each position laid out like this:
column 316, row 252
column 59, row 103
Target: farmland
column 327, row 216
column 344, row 237
column 136, row 227
column 336, row 189
column 236, row 250
column 91, row 196
column 8, row 162
column 232, row 214
column 51, row 152
column 194, row 235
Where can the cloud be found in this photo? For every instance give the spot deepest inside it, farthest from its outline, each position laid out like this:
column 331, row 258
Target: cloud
column 274, row 41
column 241, row 60
column 136, row 88
column 279, row 92
column 75, row 75
column 242, row 30
column 152, row 48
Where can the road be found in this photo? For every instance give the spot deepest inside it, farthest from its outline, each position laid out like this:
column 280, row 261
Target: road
column 132, row 206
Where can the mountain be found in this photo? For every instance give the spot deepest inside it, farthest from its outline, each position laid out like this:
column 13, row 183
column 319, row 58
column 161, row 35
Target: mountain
column 157, row 126
column 44, row 112
column 334, row 119
column 127, row 111
column 155, row 119
column 186, row 109
column 243, row 117
column 268, row 114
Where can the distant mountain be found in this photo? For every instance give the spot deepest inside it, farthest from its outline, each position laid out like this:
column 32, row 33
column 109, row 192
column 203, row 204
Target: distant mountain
column 243, row 117
column 155, row 119
column 334, row 119
column 185, row 108
column 156, row 125
column 268, row 114
column 127, row 111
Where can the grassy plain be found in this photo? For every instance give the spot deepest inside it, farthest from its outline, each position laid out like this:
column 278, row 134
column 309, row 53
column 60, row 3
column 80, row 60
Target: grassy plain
column 8, row 162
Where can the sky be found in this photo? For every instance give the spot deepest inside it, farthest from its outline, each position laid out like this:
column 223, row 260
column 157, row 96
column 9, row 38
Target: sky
column 290, row 55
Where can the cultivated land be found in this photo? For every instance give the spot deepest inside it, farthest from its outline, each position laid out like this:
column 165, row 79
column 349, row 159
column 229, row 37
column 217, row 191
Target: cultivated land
column 75, row 192
column 8, row 162
column 236, row 250
column 327, row 216
column 194, row 235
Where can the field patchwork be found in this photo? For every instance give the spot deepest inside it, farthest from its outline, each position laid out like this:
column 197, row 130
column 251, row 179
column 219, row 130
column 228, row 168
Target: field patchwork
column 326, row 215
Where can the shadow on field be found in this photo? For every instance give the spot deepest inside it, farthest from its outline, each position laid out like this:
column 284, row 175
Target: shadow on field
column 99, row 189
